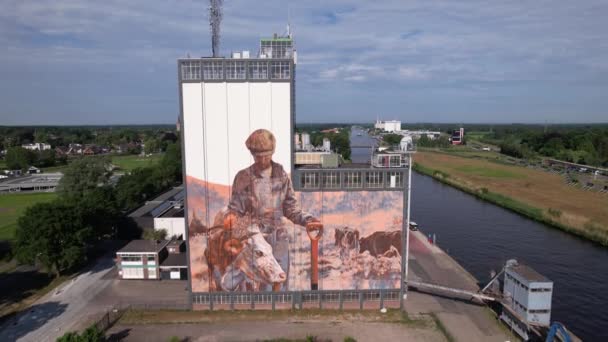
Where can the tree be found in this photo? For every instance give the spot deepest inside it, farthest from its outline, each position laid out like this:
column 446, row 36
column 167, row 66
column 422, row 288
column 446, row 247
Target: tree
column 392, row 139
column 91, row 334
column 83, row 176
column 18, row 158
column 153, row 234
column 46, row 158
column 53, row 234
column 152, row 145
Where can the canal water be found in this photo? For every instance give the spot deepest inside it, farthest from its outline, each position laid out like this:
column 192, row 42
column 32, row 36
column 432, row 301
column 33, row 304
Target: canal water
column 482, row 236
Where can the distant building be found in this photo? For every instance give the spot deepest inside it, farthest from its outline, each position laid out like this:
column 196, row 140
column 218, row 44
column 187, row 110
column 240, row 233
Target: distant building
column 163, row 212
column 37, row 146
column 326, row 145
column 388, row 126
column 457, row 136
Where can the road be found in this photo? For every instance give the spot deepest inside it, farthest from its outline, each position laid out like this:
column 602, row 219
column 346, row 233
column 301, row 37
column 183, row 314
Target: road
column 62, row 309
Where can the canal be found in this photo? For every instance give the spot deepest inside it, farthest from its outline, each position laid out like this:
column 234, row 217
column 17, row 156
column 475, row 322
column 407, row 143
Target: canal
column 482, row 236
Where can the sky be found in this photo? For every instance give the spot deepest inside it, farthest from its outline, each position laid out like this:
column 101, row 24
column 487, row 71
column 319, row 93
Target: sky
column 114, row 62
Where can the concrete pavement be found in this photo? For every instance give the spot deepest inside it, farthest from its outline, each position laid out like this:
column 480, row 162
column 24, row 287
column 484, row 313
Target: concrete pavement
column 464, row 320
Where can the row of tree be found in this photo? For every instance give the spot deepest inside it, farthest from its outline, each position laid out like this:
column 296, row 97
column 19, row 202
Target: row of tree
column 578, row 145
column 102, row 136
column 59, row 235
column 19, row 158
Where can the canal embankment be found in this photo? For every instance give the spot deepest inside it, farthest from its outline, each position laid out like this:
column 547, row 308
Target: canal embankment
column 535, row 194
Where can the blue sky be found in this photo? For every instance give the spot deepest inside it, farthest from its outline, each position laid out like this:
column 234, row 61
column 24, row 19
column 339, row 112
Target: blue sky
column 114, row 62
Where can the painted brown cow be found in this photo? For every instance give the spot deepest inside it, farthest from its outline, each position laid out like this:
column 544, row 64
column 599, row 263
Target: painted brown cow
column 347, row 240
column 380, row 242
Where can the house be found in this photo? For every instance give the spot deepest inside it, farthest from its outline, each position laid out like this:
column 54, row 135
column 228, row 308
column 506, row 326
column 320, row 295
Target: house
column 33, row 169
column 37, row 146
column 152, row 259
column 61, row 151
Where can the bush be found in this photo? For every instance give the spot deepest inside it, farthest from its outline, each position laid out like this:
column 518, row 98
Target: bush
column 91, row 334
column 555, row 212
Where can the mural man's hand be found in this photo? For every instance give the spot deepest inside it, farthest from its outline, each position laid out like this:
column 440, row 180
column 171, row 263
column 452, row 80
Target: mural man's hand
column 314, row 229
column 230, row 221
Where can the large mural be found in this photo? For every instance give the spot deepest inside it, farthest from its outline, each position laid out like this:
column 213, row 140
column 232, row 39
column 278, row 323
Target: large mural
column 258, row 234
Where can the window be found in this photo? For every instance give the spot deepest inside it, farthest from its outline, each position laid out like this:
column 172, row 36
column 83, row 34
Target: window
column 280, row 70
column 130, row 258
column 151, row 259
column 152, row 273
column 374, row 179
column 191, row 70
column 213, row 70
column 235, row 70
column 352, row 180
column 395, row 161
column 331, row 180
column 258, row 70
column 310, row 180
column 395, row 179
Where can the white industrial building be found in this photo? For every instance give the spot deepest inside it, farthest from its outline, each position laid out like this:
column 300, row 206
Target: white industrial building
column 224, row 99
column 388, row 126
column 528, row 297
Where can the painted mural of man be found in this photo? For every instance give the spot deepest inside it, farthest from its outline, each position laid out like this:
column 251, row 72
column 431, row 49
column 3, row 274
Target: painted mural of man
column 264, row 192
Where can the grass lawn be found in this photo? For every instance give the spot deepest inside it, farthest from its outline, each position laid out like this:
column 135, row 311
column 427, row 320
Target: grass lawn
column 13, row 205
column 130, row 162
column 541, row 193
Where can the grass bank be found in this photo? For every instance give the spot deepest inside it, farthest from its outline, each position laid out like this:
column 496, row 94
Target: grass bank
column 535, row 194
column 13, row 205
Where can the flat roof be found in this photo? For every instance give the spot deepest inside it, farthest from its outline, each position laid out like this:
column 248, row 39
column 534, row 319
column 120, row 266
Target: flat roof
column 175, row 260
column 175, row 194
column 144, row 246
column 529, row 273
column 173, row 212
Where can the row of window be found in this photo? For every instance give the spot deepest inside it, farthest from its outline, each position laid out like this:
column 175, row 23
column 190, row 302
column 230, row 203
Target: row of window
column 266, row 298
column 517, row 282
column 351, row 179
column 235, row 70
column 137, row 257
column 541, row 289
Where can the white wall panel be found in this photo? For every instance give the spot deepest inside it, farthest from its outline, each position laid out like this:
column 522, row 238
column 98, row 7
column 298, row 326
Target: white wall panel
column 260, row 105
column 238, row 128
column 281, row 112
column 193, row 129
column 216, row 128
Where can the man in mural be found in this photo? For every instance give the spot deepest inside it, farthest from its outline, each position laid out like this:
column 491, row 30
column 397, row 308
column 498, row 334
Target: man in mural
column 264, row 193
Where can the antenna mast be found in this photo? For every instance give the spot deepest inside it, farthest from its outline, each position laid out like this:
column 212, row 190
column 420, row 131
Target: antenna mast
column 215, row 19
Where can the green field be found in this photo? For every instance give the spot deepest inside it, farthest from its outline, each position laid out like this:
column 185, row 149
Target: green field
column 13, row 205
column 485, row 171
column 130, row 162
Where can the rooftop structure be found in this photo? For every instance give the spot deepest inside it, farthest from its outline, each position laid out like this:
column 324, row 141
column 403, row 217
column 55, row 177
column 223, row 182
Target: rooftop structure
column 152, row 259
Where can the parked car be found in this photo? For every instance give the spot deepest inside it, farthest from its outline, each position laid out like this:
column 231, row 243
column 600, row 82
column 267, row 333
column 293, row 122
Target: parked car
column 413, row 226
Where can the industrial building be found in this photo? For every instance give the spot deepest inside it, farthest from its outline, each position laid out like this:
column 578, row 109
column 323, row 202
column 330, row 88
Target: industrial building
column 390, row 126
column 527, row 302
column 163, row 212
column 237, row 111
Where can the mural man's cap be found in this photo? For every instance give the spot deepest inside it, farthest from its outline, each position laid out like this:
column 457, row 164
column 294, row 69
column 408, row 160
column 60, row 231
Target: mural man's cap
column 261, row 142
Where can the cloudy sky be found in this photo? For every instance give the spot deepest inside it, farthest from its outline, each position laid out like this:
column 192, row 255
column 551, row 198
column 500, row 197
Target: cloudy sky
column 97, row 62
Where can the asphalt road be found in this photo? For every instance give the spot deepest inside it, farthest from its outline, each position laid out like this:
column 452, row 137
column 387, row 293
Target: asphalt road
column 62, row 309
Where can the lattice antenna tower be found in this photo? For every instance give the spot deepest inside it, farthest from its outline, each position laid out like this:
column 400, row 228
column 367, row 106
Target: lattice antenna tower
column 215, row 19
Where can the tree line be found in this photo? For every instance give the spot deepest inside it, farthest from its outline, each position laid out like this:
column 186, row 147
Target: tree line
column 90, row 208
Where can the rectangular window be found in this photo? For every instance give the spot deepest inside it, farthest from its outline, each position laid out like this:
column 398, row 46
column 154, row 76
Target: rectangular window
column 258, row 70
column 235, row 70
column 331, row 180
column 352, row 180
column 395, row 179
column 191, row 70
column 131, row 258
column 152, row 273
column 213, row 70
column 280, row 70
column 310, row 180
column 395, row 161
column 374, row 179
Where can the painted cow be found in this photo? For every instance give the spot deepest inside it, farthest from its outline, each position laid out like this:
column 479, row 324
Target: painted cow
column 347, row 240
column 380, row 242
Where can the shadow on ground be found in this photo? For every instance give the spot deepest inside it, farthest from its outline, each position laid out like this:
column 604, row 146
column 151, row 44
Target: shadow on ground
column 30, row 319
column 21, row 283
column 119, row 336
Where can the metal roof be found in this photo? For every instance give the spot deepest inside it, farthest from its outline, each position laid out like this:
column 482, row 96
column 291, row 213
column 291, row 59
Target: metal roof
column 144, row 246
column 529, row 274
